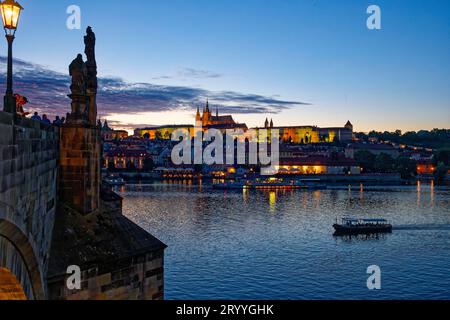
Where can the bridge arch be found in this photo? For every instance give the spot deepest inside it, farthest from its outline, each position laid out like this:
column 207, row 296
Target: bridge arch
column 17, row 258
column 10, row 287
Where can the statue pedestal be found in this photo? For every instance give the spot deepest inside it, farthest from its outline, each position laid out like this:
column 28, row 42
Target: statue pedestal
column 80, row 173
column 78, row 115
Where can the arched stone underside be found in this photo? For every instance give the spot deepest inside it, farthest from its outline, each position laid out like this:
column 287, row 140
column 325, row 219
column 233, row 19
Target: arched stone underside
column 10, row 287
column 17, row 256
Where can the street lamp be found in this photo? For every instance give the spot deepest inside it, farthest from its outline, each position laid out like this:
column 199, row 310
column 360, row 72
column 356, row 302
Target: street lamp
column 10, row 11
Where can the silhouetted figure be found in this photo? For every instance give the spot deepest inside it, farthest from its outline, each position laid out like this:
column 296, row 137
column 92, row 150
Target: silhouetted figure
column 45, row 120
column 36, row 117
column 57, row 121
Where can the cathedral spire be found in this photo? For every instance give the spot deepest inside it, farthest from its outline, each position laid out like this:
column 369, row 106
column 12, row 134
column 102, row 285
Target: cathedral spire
column 217, row 112
column 198, row 117
column 266, row 124
column 207, row 105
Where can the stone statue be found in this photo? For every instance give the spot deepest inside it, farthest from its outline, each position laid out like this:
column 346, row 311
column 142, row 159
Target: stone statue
column 92, row 84
column 78, row 72
column 91, row 63
column 84, row 84
column 89, row 42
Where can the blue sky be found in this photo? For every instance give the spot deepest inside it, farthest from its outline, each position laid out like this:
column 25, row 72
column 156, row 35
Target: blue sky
column 298, row 62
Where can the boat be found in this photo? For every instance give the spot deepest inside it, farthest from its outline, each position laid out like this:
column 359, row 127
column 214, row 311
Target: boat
column 115, row 181
column 269, row 183
column 352, row 226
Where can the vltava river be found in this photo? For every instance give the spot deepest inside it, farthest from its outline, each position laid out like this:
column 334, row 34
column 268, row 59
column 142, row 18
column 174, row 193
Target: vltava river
column 280, row 245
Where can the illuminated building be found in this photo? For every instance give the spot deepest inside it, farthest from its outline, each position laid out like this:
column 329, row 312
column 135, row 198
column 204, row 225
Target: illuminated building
column 109, row 134
column 222, row 123
column 206, row 120
column 312, row 134
column 162, row 132
column 126, row 158
column 312, row 165
column 425, row 167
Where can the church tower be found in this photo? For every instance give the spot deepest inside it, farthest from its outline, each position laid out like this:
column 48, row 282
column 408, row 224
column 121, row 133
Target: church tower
column 206, row 115
column 198, row 117
column 266, row 123
column 349, row 126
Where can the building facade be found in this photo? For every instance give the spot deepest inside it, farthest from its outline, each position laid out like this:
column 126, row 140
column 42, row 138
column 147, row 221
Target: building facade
column 312, row 134
column 109, row 134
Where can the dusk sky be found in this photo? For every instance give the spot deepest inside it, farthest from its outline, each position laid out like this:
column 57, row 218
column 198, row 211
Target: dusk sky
column 299, row 62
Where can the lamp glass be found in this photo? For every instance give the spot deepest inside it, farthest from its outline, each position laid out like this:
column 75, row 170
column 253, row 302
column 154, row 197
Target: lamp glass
column 10, row 14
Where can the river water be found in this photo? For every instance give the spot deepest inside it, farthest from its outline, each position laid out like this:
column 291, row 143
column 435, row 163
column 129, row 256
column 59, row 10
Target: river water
column 280, row 245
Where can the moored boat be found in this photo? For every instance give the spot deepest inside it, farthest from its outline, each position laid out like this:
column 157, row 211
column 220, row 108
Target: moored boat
column 115, row 181
column 352, row 226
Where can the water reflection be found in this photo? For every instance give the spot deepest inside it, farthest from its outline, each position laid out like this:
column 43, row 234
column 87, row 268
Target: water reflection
column 419, row 193
column 273, row 201
column 246, row 194
column 228, row 243
column 361, row 237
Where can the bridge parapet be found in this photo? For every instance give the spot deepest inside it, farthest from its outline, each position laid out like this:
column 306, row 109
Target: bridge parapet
column 28, row 176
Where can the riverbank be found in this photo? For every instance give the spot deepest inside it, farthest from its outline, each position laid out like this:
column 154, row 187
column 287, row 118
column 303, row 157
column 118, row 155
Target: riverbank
column 325, row 178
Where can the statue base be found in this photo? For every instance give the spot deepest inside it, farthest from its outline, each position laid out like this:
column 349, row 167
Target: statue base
column 78, row 114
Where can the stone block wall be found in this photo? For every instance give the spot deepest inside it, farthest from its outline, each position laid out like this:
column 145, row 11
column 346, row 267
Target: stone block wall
column 79, row 183
column 137, row 278
column 28, row 175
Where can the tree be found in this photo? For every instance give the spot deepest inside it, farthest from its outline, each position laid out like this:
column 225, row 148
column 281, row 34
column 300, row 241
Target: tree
column 365, row 160
column 110, row 164
column 441, row 172
column 130, row 165
column 406, row 167
column 384, row 163
column 198, row 168
column 148, row 164
column 334, row 156
column 442, row 156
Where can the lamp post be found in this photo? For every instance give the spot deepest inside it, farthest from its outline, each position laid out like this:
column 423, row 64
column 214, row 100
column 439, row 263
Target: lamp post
column 10, row 11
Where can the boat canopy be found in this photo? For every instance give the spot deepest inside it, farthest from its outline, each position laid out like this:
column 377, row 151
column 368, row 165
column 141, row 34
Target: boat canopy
column 363, row 220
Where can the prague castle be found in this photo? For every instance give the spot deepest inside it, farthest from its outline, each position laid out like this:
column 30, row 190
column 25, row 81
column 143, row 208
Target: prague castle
column 206, row 120
column 312, row 134
column 289, row 134
column 209, row 121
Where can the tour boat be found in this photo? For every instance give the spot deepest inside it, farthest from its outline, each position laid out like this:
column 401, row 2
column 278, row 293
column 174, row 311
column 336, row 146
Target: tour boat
column 351, row 226
column 270, row 183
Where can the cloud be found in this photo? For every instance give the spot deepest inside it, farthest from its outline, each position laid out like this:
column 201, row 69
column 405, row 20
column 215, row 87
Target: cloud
column 189, row 74
column 198, row 74
column 47, row 92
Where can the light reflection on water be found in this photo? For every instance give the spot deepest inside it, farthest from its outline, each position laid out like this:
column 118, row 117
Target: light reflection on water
column 279, row 244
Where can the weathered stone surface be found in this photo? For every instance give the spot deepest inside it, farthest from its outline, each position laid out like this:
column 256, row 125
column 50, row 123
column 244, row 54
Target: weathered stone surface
column 79, row 183
column 118, row 259
column 28, row 170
